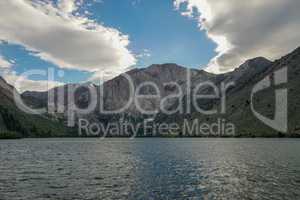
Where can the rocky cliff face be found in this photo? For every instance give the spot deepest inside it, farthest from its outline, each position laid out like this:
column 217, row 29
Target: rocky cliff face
column 164, row 77
column 6, row 92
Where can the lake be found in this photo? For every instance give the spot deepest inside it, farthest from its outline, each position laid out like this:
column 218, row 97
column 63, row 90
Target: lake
column 150, row 168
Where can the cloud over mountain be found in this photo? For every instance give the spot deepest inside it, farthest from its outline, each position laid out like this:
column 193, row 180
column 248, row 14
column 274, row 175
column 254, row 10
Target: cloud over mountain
column 22, row 82
column 244, row 30
column 4, row 64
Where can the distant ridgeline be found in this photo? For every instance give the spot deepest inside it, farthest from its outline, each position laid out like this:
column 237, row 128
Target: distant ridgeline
column 115, row 94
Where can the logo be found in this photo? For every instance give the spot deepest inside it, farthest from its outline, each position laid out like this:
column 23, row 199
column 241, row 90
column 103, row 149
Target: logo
column 280, row 121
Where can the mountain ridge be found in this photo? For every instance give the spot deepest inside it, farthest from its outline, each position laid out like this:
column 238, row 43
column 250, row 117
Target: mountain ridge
column 115, row 94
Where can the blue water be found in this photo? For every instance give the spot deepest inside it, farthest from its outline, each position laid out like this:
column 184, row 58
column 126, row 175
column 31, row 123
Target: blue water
column 150, row 169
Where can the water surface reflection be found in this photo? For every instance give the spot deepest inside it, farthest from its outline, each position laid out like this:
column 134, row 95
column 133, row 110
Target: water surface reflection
column 150, row 169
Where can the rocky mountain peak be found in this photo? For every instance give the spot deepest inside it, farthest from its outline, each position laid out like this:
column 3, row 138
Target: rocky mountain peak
column 259, row 62
column 249, row 68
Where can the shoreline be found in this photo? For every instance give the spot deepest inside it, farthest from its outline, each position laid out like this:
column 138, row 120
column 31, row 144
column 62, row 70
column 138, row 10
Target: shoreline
column 157, row 137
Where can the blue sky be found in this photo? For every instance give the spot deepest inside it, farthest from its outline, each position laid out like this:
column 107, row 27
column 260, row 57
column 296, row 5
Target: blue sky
column 156, row 26
column 157, row 32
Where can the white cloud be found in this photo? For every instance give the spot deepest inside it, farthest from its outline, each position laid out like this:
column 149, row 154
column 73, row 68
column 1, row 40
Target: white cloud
column 5, row 63
column 243, row 30
column 25, row 83
column 58, row 35
column 68, row 6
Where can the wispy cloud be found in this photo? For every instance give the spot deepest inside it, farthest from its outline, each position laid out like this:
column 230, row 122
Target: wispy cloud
column 144, row 54
column 4, row 63
column 69, row 6
column 11, row 77
column 26, row 84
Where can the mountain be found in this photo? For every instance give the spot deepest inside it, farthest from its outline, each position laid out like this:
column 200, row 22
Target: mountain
column 116, row 91
column 238, row 101
column 114, row 94
column 13, row 120
column 170, row 79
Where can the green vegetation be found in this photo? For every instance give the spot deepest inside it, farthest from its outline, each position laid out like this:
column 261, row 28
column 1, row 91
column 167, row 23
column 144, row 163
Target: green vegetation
column 10, row 135
column 15, row 121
